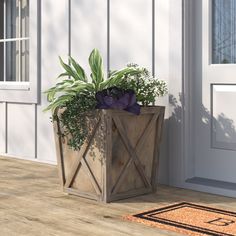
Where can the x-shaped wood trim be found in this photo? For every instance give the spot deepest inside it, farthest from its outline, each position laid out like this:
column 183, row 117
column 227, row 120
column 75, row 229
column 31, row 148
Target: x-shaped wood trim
column 80, row 161
column 134, row 152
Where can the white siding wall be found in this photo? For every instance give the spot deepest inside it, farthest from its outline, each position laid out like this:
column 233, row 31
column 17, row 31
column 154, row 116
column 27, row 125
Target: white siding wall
column 21, row 130
column 88, row 30
column 24, row 129
column 55, row 41
column 177, row 90
column 131, row 32
column 162, row 65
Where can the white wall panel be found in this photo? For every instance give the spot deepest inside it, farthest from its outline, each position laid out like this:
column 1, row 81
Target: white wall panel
column 2, row 128
column 131, row 32
column 224, row 117
column 45, row 137
column 162, row 45
column 162, row 72
column 88, row 30
column 21, row 130
column 54, row 43
column 176, row 159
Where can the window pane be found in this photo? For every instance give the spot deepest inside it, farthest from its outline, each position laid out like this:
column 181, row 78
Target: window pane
column 224, row 31
column 12, row 61
column 12, row 19
column 1, row 62
column 25, row 18
column 14, row 55
column 1, row 37
column 24, row 60
column 17, row 18
column 1, row 19
column 16, row 61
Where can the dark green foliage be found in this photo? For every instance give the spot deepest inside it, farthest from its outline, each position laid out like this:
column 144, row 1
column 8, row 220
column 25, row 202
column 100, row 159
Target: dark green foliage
column 74, row 119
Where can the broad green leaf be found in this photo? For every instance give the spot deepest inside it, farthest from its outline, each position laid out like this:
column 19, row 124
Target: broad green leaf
column 77, row 83
column 71, row 72
column 117, row 76
column 96, row 65
column 58, row 102
column 66, row 74
column 78, row 69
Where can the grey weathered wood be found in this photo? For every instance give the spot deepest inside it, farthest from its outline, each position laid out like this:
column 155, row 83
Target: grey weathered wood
column 131, row 193
column 119, row 158
column 131, row 151
column 138, row 147
column 81, row 194
column 59, row 152
column 146, row 132
column 107, row 162
column 91, row 177
column 81, row 155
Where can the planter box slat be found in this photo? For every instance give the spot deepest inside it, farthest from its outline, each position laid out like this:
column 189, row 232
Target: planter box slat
column 130, row 193
column 81, row 194
column 119, row 158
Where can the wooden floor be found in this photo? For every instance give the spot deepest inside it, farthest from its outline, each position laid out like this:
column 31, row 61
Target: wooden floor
column 32, row 204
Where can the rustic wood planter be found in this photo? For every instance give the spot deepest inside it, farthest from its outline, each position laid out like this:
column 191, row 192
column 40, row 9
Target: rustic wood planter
column 119, row 159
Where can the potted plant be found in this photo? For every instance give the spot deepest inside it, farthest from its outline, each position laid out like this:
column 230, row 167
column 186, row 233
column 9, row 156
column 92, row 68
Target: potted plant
column 107, row 135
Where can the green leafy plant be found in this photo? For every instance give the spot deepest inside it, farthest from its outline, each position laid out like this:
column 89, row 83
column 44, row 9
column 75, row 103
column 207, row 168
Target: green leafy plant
column 75, row 80
column 75, row 94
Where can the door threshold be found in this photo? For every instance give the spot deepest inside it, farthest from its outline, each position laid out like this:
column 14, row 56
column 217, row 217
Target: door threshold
column 212, row 183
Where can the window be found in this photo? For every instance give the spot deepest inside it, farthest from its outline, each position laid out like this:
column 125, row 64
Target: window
column 18, row 50
column 224, row 31
column 14, row 40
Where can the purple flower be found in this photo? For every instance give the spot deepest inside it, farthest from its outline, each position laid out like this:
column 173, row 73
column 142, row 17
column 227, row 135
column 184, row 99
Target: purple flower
column 115, row 98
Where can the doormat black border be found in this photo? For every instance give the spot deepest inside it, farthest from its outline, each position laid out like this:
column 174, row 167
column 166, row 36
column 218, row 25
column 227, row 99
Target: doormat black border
column 151, row 216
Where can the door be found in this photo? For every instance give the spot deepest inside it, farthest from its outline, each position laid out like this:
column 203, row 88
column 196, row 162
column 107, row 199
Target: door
column 213, row 97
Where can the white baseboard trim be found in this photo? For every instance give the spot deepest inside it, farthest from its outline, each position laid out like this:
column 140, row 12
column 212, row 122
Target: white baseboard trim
column 207, row 189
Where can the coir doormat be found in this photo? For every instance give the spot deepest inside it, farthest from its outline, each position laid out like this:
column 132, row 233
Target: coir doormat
column 190, row 219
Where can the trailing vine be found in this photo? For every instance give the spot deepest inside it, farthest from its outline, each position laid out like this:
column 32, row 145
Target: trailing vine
column 74, row 98
column 74, row 119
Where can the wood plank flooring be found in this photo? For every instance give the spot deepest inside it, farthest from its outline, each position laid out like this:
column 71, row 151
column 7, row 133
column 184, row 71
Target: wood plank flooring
column 32, row 204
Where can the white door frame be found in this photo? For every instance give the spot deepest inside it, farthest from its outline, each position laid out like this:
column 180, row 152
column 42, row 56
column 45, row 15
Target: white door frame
column 181, row 161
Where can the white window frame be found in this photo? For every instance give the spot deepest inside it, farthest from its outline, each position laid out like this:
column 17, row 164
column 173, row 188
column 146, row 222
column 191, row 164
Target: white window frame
column 26, row 92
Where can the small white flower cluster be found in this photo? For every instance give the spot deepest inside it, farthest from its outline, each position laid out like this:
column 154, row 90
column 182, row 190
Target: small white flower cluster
column 146, row 87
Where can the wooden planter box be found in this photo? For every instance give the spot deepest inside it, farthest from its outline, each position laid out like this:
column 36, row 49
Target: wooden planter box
column 119, row 159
